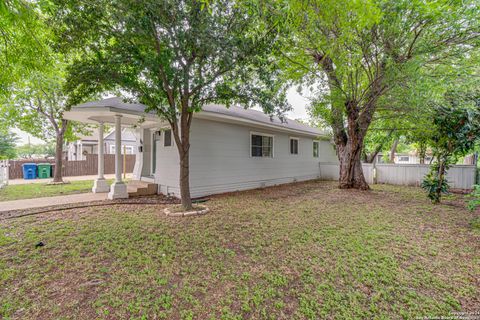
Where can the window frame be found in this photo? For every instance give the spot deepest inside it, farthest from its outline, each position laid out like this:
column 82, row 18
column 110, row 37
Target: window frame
column 318, row 148
column 255, row 133
column 123, row 147
column 290, row 146
column 171, row 137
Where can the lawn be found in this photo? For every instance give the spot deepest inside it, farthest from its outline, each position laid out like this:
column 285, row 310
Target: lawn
column 37, row 190
column 302, row 251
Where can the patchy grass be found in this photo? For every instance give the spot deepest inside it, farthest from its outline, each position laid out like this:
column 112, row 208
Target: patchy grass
column 303, row 251
column 37, row 190
column 475, row 224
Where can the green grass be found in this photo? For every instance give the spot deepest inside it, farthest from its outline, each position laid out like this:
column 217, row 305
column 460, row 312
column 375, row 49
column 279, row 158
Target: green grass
column 37, row 190
column 304, row 251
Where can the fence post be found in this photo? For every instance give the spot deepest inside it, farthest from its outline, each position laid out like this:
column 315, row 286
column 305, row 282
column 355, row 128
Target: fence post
column 7, row 169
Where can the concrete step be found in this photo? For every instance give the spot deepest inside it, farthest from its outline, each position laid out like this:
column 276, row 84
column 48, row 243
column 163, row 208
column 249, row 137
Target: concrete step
column 140, row 188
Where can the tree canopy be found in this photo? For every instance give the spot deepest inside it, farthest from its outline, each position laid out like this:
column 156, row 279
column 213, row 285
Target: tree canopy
column 356, row 52
column 23, row 41
column 174, row 57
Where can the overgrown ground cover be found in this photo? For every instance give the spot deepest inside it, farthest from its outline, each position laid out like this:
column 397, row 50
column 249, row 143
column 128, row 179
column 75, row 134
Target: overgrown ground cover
column 302, row 251
column 37, row 190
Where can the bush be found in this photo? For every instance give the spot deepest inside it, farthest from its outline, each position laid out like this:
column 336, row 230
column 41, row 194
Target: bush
column 430, row 184
column 475, row 198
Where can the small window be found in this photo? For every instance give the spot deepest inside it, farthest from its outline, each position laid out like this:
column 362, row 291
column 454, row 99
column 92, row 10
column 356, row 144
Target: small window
column 293, row 146
column 167, row 138
column 262, row 146
column 315, row 149
column 403, row 159
column 124, row 149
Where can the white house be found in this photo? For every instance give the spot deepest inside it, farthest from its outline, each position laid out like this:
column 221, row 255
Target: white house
column 231, row 148
column 78, row 150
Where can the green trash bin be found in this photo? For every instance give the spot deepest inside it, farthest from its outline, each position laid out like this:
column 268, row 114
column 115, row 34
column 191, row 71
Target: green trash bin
column 44, row 170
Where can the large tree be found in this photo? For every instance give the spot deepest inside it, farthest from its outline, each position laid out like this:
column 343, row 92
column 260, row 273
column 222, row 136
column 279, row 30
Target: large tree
column 174, row 56
column 36, row 105
column 359, row 50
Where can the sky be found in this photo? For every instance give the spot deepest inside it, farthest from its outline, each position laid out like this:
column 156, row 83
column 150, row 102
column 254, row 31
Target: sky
column 23, row 138
column 298, row 102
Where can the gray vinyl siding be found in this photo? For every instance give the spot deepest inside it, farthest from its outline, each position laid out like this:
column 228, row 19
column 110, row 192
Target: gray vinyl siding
column 167, row 168
column 220, row 159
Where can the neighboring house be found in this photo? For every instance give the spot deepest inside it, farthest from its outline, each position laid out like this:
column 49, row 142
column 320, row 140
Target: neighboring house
column 89, row 144
column 231, row 148
column 404, row 158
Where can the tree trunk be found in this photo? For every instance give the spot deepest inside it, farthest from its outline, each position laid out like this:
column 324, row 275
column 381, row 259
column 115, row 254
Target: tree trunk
column 422, row 151
column 182, row 140
column 351, row 171
column 441, row 176
column 57, row 173
column 393, row 151
column 350, row 151
column 185, row 180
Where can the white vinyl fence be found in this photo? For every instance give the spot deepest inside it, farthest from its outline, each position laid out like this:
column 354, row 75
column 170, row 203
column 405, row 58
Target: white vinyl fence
column 3, row 173
column 458, row 176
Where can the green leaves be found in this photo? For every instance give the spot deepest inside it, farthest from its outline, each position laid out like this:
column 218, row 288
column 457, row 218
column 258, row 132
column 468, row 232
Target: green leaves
column 172, row 55
column 7, row 145
column 23, row 41
column 456, row 129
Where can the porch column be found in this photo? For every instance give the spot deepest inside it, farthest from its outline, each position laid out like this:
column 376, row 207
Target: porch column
column 137, row 169
column 100, row 184
column 118, row 190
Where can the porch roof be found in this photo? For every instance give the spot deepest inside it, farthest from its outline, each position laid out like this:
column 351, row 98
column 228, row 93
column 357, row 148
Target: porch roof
column 104, row 111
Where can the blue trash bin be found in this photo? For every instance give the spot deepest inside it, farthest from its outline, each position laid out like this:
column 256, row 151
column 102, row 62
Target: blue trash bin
column 29, row 171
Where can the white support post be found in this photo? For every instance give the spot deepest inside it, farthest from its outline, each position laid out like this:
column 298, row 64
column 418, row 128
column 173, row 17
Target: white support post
column 100, row 184
column 118, row 190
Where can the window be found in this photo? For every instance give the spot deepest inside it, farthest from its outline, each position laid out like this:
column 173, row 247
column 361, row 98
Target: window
column 293, row 146
column 124, row 150
column 262, row 145
column 315, row 149
column 167, row 138
column 403, row 159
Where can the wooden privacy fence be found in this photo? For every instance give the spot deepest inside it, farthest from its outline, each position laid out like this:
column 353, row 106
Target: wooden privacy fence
column 458, row 176
column 75, row 168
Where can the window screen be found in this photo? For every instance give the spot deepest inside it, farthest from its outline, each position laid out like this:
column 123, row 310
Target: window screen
column 167, row 142
column 262, row 146
column 315, row 149
column 293, row 146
